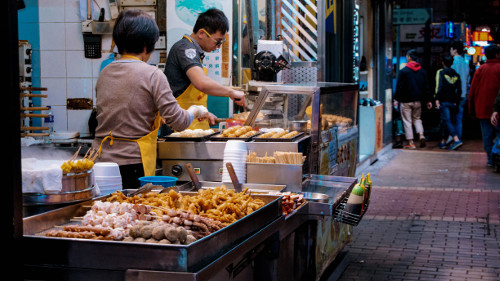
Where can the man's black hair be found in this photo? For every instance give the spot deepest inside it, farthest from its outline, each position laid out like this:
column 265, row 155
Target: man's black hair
column 212, row 20
column 491, row 51
column 134, row 30
column 447, row 60
column 457, row 45
column 412, row 54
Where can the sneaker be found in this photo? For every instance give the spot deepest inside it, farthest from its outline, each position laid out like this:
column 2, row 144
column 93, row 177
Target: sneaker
column 456, row 145
column 442, row 145
column 422, row 142
column 409, row 146
column 449, row 141
column 397, row 145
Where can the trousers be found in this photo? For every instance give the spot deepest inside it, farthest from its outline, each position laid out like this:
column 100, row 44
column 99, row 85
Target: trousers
column 410, row 113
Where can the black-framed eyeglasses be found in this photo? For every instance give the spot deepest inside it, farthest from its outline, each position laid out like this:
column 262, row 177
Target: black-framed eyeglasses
column 217, row 42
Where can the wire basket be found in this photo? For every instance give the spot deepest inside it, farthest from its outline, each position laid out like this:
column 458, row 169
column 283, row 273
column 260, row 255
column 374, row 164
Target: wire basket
column 341, row 215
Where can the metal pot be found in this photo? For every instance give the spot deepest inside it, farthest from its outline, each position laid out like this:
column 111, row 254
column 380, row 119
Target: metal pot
column 299, row 126
column 77, row 181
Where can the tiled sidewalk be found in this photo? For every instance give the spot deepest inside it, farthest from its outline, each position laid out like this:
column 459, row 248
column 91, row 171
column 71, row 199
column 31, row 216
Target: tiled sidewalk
column 434, row 215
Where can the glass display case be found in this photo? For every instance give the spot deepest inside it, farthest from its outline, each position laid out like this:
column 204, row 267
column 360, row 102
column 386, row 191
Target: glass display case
column 326, row 111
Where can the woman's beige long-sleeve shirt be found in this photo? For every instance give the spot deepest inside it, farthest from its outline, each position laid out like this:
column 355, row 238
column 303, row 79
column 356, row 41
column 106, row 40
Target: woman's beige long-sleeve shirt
column 129, row 94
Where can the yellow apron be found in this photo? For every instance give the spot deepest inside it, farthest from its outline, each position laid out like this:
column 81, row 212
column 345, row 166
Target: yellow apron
column 147, row 146
column 193, row 96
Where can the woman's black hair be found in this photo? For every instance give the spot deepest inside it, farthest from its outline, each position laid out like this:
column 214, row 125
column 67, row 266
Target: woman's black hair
column 134, row 30
column 212, row 20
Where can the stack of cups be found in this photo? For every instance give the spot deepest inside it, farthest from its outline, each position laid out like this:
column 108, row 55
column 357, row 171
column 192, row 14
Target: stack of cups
column 236, row 153
column 107, row 177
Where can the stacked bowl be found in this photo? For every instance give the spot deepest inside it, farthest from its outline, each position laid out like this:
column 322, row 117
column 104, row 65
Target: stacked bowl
column 107, row 177
column 235, row 152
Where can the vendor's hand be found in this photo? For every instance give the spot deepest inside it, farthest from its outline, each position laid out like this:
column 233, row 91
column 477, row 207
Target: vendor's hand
column 429, row 105
column 208, row 116
column 238, row 97
column 438, row 104
column 494, row 119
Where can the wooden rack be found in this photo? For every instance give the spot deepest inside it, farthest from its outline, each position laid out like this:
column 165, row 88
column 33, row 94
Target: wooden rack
column 27, row 113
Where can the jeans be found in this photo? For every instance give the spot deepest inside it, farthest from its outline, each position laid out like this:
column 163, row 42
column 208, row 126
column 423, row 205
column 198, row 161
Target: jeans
column 447, row 110
column 489, row 133
column 460, row 115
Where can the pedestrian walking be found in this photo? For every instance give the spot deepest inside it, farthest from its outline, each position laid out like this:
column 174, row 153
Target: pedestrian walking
column 448, row 96
column 483, row 92
column 412, row 89
column 461, row 66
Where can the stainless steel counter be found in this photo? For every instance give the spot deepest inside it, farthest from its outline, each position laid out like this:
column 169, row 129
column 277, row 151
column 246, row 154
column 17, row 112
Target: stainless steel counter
column 269, row 248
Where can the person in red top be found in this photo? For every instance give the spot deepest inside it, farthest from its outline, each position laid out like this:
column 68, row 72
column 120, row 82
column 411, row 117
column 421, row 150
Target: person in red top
column 483, row 91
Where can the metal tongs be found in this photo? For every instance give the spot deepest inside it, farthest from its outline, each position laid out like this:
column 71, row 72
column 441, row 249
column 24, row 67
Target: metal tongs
column 193, row 185
column 143, row 189
column 234, row 178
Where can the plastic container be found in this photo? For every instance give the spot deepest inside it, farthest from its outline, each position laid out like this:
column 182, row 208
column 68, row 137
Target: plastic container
column 49, row 122
column 164, row 181
column 106, row 169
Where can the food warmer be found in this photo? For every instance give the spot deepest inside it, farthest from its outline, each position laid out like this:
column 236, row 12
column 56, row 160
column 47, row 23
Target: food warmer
column 329, row 142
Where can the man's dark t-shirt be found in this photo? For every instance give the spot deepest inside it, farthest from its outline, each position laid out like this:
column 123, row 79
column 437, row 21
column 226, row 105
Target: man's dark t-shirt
column 182, row 56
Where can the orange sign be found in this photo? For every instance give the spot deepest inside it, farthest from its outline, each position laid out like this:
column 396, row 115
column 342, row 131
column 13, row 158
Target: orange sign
column 481, row 36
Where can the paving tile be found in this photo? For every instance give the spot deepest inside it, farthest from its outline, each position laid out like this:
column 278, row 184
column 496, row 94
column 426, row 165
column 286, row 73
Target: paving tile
column 433, row 215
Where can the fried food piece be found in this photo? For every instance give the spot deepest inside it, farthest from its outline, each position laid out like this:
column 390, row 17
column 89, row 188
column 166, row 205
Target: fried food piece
column 267, row 135
column 278, row 135
column 290, row 135
column 248, row 134
column 230, row 130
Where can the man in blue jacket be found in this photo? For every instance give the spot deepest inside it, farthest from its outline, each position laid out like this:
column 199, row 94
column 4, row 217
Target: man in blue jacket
column 412, row 89
column 461, row 66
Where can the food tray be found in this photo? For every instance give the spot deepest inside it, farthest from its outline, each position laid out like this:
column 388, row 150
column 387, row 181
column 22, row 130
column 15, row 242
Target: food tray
column 279, row 139
column 119, row 255
column 196, row 139
column 213, row 138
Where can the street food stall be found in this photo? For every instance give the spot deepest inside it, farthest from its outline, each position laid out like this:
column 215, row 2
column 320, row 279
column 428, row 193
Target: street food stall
column 282, row 219
column 64, row 243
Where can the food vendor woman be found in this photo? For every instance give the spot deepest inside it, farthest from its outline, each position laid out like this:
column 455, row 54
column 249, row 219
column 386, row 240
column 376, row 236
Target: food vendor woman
column 132, row 98
column 184, row 67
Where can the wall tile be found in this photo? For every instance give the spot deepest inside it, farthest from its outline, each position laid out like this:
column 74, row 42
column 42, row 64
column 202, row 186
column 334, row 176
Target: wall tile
column 78, row 121
column 52, row 36
column 79, row 88
column 51, row 10
column 77, row 65
column 60, row 118
column 74, row 38
column 52, row 64
column 56, row 91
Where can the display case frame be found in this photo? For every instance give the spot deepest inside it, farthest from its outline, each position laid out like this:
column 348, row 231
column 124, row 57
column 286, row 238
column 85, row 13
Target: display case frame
column 320, row 93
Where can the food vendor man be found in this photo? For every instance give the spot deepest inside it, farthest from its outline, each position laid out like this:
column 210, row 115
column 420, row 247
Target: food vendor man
column 184, row 67
column 132, row 98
